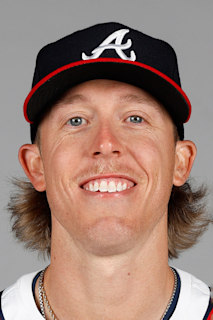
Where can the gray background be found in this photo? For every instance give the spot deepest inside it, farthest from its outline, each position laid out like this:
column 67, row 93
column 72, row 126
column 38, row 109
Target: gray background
column 27, row 25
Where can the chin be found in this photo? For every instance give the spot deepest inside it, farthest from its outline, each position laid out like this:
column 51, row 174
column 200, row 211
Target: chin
column 109, row 236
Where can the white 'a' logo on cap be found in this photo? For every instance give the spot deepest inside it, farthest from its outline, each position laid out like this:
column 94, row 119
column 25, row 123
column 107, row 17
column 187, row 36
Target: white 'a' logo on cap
column 117, row 46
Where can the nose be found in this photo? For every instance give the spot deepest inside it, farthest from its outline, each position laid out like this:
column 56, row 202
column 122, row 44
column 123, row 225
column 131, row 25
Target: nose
column 106, row 143
column 106, row 148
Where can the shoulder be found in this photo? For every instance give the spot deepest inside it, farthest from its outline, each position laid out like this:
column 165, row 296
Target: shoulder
column 194, row 298
column 209, row 312
column 17, row 301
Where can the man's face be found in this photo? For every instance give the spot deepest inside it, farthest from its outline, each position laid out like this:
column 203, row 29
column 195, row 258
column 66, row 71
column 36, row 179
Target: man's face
column 110, row 136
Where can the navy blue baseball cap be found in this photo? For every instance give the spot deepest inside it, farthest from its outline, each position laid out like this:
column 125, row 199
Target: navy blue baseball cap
column 107, row 51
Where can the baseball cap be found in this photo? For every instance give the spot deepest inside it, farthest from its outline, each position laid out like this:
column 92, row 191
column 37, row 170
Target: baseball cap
column 107, row 51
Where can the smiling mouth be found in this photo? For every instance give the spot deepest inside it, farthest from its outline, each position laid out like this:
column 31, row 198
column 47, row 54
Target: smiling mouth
column 109, row 185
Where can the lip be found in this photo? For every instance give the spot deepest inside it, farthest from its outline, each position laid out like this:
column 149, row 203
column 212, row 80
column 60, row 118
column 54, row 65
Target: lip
column 106, row 176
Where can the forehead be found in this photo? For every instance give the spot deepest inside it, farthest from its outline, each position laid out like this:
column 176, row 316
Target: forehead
column 93, row 91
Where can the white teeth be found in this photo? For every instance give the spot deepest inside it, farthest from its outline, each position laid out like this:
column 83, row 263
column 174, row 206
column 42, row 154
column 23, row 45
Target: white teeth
column 103, row 186
column 91, row 188
column 112, row 187
column 124, row 186
column 96, row 186
column 119, row 186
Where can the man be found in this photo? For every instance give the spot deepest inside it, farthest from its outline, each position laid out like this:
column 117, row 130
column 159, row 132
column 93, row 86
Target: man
column 110, row 200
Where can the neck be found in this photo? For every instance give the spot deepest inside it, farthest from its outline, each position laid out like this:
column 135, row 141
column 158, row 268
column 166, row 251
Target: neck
column 134, row 285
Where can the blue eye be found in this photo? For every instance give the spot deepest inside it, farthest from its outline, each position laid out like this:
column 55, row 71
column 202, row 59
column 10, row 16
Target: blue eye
column 135, row 119
column 76, row 121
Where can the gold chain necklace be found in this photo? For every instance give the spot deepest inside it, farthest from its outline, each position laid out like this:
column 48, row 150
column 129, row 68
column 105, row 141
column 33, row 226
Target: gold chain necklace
column 43, row 297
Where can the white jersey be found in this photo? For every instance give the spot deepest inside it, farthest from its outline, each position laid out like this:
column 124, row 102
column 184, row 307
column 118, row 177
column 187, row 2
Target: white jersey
column 18, row 301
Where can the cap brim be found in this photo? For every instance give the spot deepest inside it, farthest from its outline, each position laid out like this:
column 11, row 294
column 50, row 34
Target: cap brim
column 50, row 88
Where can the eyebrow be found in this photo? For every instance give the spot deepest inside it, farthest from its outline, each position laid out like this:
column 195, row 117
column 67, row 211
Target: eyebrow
column 141, row 100
column 150, row 102
column 72, row 99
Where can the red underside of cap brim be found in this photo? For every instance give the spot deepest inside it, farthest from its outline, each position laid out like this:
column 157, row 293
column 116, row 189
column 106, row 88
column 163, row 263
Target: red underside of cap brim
column 47, row 79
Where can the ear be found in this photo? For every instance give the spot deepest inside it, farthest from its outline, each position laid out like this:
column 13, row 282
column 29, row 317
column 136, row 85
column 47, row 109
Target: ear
column 31, row 162
column 185, row 156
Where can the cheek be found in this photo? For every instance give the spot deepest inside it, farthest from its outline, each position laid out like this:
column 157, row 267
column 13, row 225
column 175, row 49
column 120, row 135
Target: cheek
column 60, row 165
column 153, row 155
column 61, row 158
column 157, row 162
